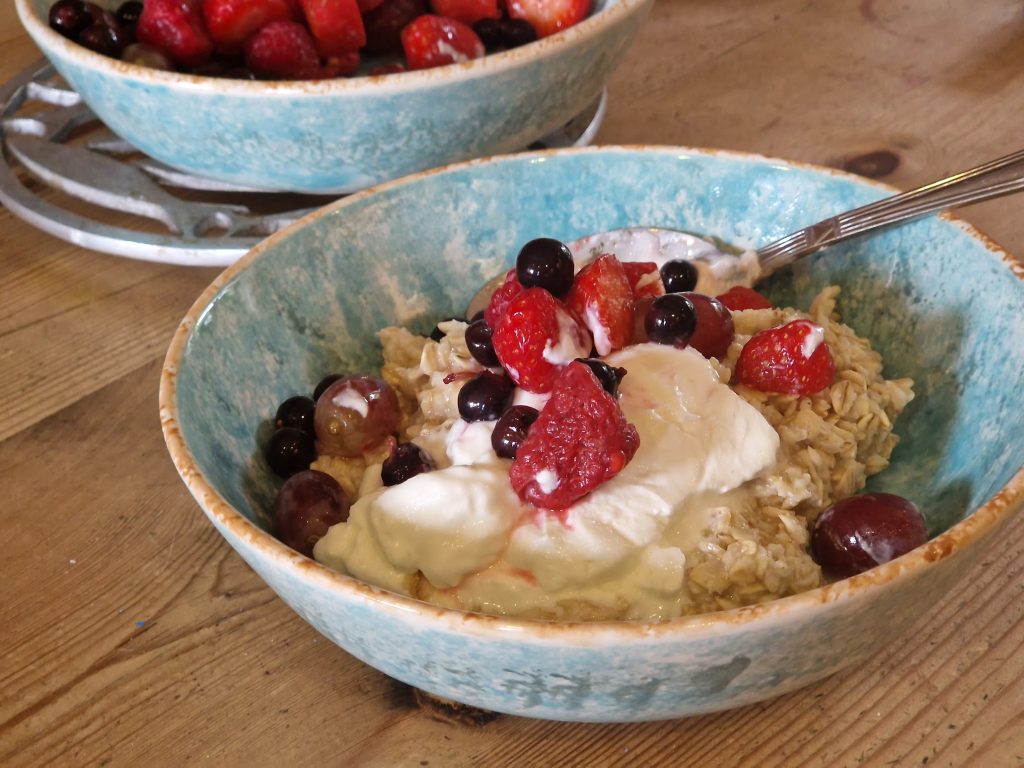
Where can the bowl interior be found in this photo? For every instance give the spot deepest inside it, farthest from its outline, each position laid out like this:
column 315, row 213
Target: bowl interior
column 938, row 301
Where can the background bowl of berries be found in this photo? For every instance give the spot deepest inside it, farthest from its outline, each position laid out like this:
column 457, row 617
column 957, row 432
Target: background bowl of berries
column 624, row 484
column 331, row 96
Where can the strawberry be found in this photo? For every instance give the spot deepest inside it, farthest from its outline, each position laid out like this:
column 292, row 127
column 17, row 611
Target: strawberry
column 738, row 297
column 434, row 41
column 365, row 6
column 537, row 337
column 549, row 16
column 466, row 11
column 230, row 22
column 384, row 24
column 579, row 441
column 602, row 296
column 176, row 29
column 500, row 298
column 344, row 63
column 284, row 50
column 791, row 359
column 336, row 25
column 644, row 277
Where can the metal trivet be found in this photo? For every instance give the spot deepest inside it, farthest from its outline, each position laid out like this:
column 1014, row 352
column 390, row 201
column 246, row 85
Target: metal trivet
column 86, row 171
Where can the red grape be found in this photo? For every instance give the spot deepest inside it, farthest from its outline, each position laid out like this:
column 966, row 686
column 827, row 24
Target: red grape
column 863, row 531
column 355, row 414
column 715, row 328
column 307, row 505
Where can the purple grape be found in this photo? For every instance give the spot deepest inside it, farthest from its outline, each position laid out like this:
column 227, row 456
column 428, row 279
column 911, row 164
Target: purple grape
column 307, row 505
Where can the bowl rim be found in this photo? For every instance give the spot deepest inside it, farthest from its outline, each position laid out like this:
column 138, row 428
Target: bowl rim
column 956, row 539
column 385, row 84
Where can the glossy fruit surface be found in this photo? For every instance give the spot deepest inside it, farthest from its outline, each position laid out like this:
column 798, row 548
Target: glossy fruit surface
column 466, row 11
column 678, row 276
column 549, row 16
column 406, row 460
column 307, row 504
column 355, row 414
column 740, row 297
column 297, row 412
column 69, row 17
column 602, row 297
column 289, row 450
column 231, row 22
column 511, row 430
column 789, row 359
column 715, row 328
column 480, row 343
column 644, row 279
column 502, row 297
column 863, row 531
column 324, row 383
column 282, row 50
column 176, row 28
column 434, row 41
column 606, row 374
column 485, row 397
column 545, row 263
column 671, row 319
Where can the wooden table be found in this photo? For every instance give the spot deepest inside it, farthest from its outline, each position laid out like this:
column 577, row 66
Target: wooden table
column 132, row 634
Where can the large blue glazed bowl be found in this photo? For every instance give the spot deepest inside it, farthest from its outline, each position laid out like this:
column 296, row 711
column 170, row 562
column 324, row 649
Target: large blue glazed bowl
column 341, row 135
column 942, row 303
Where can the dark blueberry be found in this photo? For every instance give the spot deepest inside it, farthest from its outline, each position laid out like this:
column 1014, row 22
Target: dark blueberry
column 479, row 315
column 128, row 13
column 545, row 263
column 478, row 340
column 517, row 32
column 239, row 73
column 406, row 460
column 325, row 382
column 69, row 17
column 671, row 319
column 485, row 397
column 101, row 15
column 296, row 412
column 437, row 334
column 608, row 376
column 290, row 450
column 678, row 275
column 511, row 429
column 109, row 41
column 489, row 32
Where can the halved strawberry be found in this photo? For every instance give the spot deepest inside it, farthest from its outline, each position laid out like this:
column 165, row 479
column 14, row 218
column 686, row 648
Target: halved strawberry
column 601, row 296
column 791, row 359
column 284, row 50
column 434, row 41
column 549, row 16
column 176, row 28
column 230, row 22
column 536, row 337
column 337, row 25
column 500, row 298
column 466, row 11
column 644, row 277
column 579, row 441
column 739, row 297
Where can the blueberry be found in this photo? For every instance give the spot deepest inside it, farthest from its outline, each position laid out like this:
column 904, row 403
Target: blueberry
column 671, row 319
column 478, row 341
column 407, row 460
column 511, row 429
column 678, row 276
column 290, row 450
column 489, row 32
column 69, row 17
column 109, row 41
column 545, row 263
column 516, row 32
column 296, row 412
column 325, row 382
column 608, row 376
column 485, row 397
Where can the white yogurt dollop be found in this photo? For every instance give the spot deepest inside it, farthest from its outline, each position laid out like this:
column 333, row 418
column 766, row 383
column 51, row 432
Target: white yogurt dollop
column 624, row 546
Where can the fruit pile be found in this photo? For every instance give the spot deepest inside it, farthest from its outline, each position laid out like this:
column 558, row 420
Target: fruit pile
column 308, row 39
column 545, row 331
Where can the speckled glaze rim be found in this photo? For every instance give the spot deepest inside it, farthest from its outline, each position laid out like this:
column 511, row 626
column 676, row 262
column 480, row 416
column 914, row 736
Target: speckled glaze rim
column 956, row 539
column 400, row 82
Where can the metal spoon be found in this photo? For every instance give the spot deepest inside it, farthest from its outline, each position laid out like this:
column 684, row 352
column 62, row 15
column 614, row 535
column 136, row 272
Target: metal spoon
column 993, row 179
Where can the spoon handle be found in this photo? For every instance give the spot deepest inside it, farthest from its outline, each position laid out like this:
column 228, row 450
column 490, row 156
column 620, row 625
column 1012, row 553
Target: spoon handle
column 984, row 182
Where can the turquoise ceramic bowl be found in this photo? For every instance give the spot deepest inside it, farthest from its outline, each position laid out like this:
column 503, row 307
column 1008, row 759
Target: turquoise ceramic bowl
column 341, row 135
column 937, row 298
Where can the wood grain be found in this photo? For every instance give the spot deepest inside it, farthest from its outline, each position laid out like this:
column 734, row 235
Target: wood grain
column 132, row 635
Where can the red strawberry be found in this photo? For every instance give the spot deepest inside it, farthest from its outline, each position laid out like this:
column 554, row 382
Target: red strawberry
column 549, row 16
column 537, row 337
column 602, row 297
column 644, row 277
column 230, row 22
column 284, row 50
column 336, row 25
column 175, row 27
column 466, row 11
column 384, row 24
column 365, row 6
column 500, row 298
column 345, row 63
column 579, row 441
column 434, row 41
column 792, row 359
column 739, row 297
